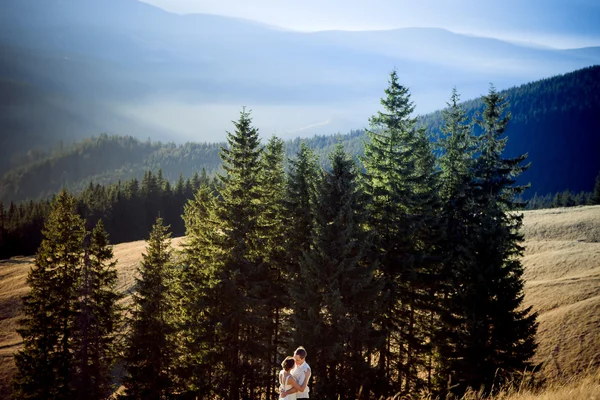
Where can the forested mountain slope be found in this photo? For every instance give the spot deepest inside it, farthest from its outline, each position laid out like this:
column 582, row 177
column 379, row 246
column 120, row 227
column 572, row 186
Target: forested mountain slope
column 555, row 120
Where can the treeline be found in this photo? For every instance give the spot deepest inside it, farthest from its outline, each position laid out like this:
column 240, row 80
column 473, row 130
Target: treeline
column 106, row 160
column 128, row 210
column 566, row 198
column 400, row 274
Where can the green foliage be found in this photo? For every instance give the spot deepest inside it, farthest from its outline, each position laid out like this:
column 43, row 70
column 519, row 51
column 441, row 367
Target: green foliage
column 272, row 238
column 231, row 260
column 300, row 204
column 193, row 289
column 491, row 331
column 106, row 160
column 71, row 313
column 458, row 149
column 98, row 320
column 335, row 296
column 128, row 210
column 541, row 113
column 399, row 180
column 45, row 365
column 149, row 354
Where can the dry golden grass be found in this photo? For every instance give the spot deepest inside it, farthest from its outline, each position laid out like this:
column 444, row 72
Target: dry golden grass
column 562, row 273
column 585, row 388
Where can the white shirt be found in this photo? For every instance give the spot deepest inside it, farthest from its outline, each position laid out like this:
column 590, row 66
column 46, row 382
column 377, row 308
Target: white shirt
column 299, row 373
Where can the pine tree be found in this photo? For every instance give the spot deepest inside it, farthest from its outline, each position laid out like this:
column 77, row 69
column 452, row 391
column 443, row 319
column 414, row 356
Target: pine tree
column 194, row 296
column 239, row 213
column 98, row 320
column 458, row 147
column 496, row 336
column 299, row 204
column 596, row 193
column 234, row 291
column 151, row 192
column 272, row 240
column 395, row 180
column 45, row 364
column 337, row 288
column 425, row 272
column 300, row 199
column 149, row 356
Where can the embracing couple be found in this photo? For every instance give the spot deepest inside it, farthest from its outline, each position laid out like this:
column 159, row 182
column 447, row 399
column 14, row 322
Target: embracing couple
column 293, row 378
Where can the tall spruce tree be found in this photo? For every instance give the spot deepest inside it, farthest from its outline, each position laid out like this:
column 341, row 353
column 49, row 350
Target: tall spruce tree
column 395, row 179
column 300, row 199
column 337, row 287
column 45, row 363
column 234, row 291
column 196, row 298
column 149, row 356
column 272, row 240
column 299, row 203
column 458, row 148
column 242, row 273
column 496, row 334
column 98, row 320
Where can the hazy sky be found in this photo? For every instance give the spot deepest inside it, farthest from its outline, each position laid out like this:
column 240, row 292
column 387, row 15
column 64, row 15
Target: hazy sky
column 564, row 23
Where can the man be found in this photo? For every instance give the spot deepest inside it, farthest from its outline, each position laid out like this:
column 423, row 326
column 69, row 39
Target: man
column 301, row 373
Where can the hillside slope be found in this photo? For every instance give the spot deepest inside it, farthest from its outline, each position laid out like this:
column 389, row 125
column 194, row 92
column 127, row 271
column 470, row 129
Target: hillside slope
column 562, row 273
column 555, row 120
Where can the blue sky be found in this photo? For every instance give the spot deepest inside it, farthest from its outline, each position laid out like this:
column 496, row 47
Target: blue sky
column 554, row 23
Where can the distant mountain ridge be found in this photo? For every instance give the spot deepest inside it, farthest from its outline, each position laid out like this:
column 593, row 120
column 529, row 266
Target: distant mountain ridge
column 555, row 120
column 127, row 67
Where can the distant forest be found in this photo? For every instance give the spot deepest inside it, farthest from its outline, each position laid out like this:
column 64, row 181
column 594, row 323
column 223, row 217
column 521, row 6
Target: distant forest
column 556, row 121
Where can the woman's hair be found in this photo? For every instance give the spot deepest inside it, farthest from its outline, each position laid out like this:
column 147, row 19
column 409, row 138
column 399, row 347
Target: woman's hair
column 288, row 363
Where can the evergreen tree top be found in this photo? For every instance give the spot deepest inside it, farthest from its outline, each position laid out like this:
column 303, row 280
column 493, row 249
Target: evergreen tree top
column 397, row 107
column 241, row 156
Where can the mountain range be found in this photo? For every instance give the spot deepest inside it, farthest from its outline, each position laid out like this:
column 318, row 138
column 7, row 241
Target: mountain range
column 73, row 68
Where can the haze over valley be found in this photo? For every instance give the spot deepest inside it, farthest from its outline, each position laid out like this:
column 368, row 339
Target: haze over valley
column 127, row 67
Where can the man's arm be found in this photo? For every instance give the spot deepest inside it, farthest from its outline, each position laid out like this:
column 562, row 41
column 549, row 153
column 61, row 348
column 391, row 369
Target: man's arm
column 306, row 378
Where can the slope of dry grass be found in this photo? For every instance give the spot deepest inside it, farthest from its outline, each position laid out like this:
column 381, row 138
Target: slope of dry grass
column 585, row 388
column 562, row 273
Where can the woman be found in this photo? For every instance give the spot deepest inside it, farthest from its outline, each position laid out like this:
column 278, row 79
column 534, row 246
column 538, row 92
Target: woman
column 286, row 380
